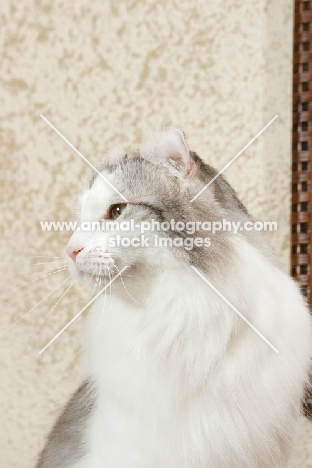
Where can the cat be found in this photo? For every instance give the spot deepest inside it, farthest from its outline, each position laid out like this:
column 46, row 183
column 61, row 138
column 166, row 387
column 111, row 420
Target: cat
column 177, row 379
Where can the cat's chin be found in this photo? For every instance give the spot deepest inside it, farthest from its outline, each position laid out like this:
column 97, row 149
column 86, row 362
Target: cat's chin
column 75, row 273
column 85, row 277
column 87, row 274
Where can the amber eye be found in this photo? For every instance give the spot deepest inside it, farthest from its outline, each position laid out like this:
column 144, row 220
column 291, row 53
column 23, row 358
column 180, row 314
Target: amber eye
column 116, row 210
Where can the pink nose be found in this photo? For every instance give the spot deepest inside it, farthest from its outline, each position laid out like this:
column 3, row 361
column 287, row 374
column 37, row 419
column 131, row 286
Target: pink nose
column 72, row 251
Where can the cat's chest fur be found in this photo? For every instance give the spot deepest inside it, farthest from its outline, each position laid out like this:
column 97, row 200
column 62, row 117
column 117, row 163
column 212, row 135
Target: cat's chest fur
column 176, row 383
column 149, row 371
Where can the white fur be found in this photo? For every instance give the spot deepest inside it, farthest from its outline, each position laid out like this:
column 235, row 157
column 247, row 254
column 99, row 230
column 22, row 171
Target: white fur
column 182, row 380
column 185, row 383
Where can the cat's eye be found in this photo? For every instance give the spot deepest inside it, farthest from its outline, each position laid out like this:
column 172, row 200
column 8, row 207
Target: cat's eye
column 116, row 210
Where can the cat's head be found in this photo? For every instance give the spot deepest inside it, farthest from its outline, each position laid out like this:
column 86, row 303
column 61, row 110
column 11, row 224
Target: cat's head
column 155, row 184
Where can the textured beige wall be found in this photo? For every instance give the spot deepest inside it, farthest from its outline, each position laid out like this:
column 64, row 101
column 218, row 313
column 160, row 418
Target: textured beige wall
column 108, row 73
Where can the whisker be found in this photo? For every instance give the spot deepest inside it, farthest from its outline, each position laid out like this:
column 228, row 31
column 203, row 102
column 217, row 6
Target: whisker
column 38, row 256
column 44, row 271
column 92, row 293
column 122, row 281
column 98, row 326
column 50, row 311
column 36, row 331
column 30, row 265
column 40, row 302
column 78, row 294
column 32, row 281
column 129, row 276
column 96, row 281
column 110, row 284
column 46, row 263
column 84, row 318
column 100, row 279
column 82, row 289
column 81, row 311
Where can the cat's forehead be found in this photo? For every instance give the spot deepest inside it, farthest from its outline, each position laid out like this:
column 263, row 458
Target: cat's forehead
column 130, row 177
column 116, row 165
column 119, row 167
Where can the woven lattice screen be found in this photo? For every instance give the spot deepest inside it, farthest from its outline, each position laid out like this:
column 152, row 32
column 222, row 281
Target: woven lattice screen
column 301, row 260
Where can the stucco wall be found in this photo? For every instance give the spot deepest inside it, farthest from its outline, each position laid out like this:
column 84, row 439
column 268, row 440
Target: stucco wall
column 110, row 73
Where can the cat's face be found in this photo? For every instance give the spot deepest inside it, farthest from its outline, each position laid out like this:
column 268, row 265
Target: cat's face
column 158, row 185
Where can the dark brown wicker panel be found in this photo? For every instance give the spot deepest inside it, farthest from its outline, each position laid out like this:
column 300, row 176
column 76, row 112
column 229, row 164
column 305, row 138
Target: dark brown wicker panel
column 301, row 260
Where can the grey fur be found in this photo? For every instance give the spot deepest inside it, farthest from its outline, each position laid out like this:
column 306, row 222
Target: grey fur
column 156, row 194
column 66, row 444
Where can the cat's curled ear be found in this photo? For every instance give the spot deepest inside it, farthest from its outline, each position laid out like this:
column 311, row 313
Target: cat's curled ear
column 171, row 148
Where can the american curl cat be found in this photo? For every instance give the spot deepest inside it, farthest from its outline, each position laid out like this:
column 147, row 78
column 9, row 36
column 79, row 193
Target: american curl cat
column 177, row 378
